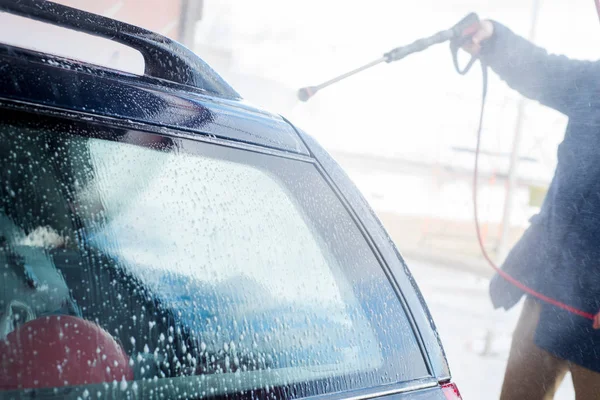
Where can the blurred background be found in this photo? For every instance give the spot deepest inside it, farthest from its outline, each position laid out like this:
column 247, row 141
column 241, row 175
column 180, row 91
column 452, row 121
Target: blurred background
column 404, row 132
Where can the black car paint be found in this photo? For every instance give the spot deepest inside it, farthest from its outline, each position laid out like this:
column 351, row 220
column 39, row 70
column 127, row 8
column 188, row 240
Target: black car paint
column 74, row 90
column 58, row 82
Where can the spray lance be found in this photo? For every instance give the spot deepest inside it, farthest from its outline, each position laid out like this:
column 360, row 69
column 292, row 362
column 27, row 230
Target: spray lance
column 458, row 35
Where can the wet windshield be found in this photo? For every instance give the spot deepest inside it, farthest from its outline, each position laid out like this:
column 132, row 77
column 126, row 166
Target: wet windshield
column 171, row 252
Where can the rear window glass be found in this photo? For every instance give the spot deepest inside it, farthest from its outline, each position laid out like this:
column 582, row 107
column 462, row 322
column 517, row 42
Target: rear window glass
column 138, row 263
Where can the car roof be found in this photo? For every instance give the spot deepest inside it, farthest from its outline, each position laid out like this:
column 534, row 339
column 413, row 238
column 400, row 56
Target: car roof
column 178, row 90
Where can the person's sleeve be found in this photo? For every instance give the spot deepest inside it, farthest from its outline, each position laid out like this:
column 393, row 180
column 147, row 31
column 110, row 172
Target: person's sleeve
column 554, row 80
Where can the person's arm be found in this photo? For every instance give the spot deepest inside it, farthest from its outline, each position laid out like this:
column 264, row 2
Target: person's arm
column 566, row 85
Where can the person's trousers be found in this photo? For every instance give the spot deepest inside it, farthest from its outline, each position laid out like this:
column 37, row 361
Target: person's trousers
column 535, row 374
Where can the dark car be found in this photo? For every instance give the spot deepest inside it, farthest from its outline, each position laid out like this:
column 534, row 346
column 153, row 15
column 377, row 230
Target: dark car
column 160, row 238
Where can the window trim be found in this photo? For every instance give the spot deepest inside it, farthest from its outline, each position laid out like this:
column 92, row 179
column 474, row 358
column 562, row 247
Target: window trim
column 116, row 392
column 384, row 266
column 392, row 256
column 381, row 391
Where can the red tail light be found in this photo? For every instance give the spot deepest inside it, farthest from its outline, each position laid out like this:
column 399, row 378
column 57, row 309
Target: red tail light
column 451, row 391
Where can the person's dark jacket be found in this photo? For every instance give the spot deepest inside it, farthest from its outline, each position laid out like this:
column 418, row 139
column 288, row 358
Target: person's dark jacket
column 559, row 255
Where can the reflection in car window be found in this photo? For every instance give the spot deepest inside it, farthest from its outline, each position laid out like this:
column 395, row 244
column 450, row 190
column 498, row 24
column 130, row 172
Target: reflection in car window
column 196, row 268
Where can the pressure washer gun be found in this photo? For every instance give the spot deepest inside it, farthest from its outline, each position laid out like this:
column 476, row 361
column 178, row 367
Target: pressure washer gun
column 458, row 35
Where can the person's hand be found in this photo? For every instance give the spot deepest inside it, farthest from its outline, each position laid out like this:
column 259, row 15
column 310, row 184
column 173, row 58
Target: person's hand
column 597, row 321
column 484, row 32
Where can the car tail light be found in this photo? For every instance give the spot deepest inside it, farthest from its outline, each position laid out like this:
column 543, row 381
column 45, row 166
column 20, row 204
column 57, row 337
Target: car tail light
column 451, row 392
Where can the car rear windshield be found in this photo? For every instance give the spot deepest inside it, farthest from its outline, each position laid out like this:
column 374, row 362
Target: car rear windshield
column 140, row 264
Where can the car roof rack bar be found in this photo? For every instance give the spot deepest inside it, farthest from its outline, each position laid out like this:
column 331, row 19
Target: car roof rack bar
column 164, row 58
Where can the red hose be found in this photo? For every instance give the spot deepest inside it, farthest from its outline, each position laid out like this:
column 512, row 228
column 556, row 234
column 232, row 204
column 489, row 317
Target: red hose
column 500, row 272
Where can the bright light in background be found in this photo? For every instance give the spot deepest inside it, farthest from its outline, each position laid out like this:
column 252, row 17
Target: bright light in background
column 417, row 110
column 62, row 42
column 169, row 18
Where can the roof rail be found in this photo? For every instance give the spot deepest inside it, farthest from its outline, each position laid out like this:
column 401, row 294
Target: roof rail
column 163, row 58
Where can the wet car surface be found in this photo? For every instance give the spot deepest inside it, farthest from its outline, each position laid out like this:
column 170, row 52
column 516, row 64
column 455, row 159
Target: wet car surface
column 214, row 246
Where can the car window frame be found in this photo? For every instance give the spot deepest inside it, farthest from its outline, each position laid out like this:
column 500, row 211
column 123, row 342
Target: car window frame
column 70, row 117
column 393, row 261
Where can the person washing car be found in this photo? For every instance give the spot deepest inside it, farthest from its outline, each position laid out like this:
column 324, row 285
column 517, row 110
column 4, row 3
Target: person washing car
column 559, row 255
